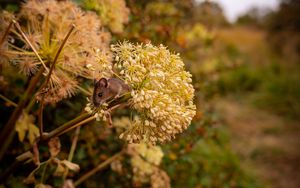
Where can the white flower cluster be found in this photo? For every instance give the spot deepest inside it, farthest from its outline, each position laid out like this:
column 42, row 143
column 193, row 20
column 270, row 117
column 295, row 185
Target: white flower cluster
column 99, row 113
column 162, row 91
column 145, row 160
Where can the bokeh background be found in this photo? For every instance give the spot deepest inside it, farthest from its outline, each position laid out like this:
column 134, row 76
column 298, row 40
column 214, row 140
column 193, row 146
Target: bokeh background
column 245, row 60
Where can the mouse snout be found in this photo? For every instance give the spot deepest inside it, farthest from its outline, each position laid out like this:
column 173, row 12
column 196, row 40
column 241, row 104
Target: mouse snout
column 96, row 101
column 96, row 104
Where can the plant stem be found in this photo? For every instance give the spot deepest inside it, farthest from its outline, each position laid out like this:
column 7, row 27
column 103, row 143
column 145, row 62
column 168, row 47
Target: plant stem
column 74, row 144
column 7, row 132
column 40, row 117
column 76, row 125
column 98, row 168
column 72, row 150
column 41, row 107
column 44, row 172
column 68, row 125
column 30, row 104
column 8, row 100
column 57, row 55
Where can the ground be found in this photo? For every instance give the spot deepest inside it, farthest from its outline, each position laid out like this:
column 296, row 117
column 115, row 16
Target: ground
column 267, row 143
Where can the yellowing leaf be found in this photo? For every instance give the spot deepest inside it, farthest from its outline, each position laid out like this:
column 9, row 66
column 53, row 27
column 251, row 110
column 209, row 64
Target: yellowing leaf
column 24, row 124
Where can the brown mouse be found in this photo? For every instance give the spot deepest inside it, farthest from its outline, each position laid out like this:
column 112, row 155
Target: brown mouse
column 107, row 89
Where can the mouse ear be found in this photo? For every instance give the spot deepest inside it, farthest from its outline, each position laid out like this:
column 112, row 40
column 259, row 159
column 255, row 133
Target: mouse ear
column 103, row 82
column 95, row 82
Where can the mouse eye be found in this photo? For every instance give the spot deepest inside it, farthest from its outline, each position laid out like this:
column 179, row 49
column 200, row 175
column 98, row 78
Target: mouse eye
column 100, row 94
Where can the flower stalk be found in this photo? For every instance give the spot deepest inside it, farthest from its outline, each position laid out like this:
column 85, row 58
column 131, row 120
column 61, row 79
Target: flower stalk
column 72, row 150
column 40, row 116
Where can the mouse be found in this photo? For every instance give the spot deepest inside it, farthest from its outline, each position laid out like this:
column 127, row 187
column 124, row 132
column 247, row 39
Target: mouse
column 106, row 89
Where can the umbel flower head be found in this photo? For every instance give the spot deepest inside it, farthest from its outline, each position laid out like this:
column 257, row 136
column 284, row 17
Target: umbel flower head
column 162, row 93
column 85, row 54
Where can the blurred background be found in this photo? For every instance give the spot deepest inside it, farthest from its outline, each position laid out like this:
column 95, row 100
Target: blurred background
column 245, row 60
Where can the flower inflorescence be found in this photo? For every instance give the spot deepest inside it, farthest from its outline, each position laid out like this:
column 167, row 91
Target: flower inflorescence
column 162, row 91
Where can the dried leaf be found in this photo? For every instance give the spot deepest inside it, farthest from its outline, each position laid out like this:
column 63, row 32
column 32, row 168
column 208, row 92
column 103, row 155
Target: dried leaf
column 54, row 146
column 70, row 165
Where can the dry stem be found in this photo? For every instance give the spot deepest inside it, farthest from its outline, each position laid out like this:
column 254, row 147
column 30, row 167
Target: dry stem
column 40, row 117
column 72, row 150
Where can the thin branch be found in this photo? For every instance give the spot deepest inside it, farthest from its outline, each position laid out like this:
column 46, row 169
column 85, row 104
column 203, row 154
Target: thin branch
column 57, row 55
column 74, row 144
column 98, row 168
column 41, row 107
column 58, row 131
column 40, row 116
column 77, row 125
column 72, row 150
column 8, row 100
column 29, row 43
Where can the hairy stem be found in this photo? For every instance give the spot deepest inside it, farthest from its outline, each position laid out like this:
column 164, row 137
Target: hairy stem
column 98, row 168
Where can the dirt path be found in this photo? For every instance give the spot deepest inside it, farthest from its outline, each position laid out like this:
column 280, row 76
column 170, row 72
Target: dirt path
column 266, row 143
